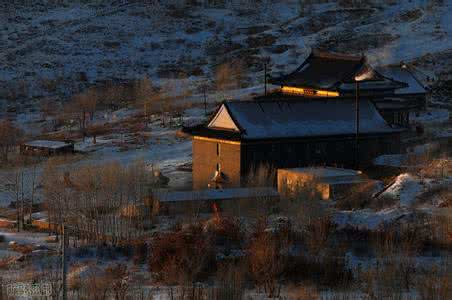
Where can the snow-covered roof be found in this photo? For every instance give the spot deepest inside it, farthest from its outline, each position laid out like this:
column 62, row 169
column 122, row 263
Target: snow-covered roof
column 404, row 75
column 301, row 118
column 328, row 175
column 47, row 144
column 325, row 171
column 214, row 194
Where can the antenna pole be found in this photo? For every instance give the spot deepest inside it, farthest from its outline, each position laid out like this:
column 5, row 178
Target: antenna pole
column 205, row 102
column 64, row 261
column 357, row 126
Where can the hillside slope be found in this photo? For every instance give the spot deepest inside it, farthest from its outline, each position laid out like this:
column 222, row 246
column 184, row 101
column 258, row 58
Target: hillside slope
column 55, row 51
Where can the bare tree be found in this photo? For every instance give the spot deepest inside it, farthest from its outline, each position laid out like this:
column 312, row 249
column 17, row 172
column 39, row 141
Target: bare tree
column 81, row 106
column 108, row 200
column 112, row 95
column 9, row 138
column 148, row 96
column 15, row 187
column 57, row 195
column 227, row 77
column 94, row 130
column 33, row 191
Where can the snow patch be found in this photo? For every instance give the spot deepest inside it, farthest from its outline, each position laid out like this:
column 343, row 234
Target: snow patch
column 391, row 160
column 367, row 218
column 405, row 188
column 430, row 116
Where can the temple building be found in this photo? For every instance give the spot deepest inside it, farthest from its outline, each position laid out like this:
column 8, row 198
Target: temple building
column 333, row 110
column 394, row 90
column 287, row 133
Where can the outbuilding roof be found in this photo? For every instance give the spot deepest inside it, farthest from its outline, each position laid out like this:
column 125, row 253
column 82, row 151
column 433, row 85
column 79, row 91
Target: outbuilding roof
column 327, row 175
column 214, row 194
column 47, row 144
column 298, row 118
column 413, row 85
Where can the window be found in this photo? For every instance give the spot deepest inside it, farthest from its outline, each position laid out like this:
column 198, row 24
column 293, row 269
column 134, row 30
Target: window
column 218, row 149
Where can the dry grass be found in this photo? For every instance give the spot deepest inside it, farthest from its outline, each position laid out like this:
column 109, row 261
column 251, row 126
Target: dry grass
column 440, row 227
column 317, row 233
column 231, row 281
column 24, row 249
column 357, row 197
column 6, row 262
column 50, row 85
column 302, row 292
column 435, row 284
column 7, row 224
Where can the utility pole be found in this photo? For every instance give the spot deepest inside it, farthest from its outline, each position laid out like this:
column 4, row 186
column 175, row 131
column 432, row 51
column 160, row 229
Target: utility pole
column 64, row 261
column 205, row 102
column 22, row 208
column 357, row 127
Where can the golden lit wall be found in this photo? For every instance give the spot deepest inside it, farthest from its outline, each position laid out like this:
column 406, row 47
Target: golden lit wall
column 308, row 92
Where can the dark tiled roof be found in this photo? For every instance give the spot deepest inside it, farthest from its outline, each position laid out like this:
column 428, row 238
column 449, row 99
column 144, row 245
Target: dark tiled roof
column 330, row 71
column 322, row 70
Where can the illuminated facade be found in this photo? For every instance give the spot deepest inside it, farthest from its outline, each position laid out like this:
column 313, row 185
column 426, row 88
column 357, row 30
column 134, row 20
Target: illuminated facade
column 296, row 91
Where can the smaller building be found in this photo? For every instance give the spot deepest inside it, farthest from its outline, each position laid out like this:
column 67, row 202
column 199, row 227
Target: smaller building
column 324, row 182
column 233, row 201
column 46, row 148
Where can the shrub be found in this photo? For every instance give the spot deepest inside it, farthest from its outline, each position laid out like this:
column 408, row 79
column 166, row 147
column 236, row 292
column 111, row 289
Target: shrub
column 182, row 256
column 328, row 270
column 140, row 252
column 267, row 257
column 226, row 232
column 118, row 277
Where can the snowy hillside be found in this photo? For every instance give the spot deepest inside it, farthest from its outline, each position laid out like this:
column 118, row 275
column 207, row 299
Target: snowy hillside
column 61, row 49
